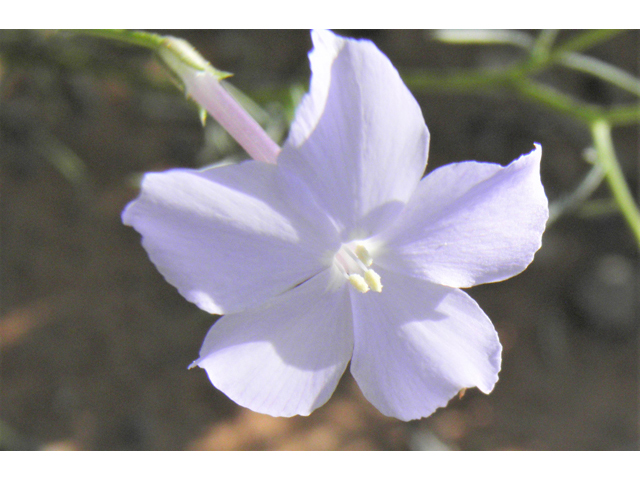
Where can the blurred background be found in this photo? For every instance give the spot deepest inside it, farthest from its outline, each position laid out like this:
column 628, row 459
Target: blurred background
column 95, row 345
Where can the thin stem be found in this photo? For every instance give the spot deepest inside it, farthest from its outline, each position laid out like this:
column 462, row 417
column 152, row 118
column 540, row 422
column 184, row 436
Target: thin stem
column 586, row 40
column 542, row 45
column 575, row 199
column 558, row 101
column 465, row 81
column 601, row 133
column 141, row 39
column 543, row 55
column 484, row 37
column 624, row 115
column 158, row 44
column 472, row 82
column 602, row 70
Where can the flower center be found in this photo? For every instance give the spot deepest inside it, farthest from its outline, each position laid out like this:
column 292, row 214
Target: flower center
column 353, row 261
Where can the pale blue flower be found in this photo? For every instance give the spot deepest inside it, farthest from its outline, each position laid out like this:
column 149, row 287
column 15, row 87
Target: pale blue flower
column 341, row 252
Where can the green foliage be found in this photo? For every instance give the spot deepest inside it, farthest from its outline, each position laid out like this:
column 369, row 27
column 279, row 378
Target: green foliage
column 541, row 54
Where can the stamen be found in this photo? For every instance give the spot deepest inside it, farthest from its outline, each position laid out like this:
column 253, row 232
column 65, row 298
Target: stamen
column 353, row 261
column 373, row 280
column 363, row 255
column 358, row 282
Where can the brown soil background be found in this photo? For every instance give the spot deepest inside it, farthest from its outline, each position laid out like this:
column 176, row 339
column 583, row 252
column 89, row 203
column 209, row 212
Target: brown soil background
column 95, row 345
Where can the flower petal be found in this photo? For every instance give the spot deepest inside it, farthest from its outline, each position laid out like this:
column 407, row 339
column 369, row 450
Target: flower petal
column 231, row 237
column 417, row 344
column 284, row 358
column 359, row 139
column 470, row 223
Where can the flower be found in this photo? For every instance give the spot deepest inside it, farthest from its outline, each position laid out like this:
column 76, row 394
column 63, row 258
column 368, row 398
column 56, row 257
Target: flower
column 341, row 252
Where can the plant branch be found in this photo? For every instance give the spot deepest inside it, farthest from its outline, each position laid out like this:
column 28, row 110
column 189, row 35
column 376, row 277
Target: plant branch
column 601, row 133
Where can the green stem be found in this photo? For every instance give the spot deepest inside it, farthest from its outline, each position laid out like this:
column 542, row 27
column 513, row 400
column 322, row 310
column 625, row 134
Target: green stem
column 558, row 101
column 624, row 115
column 484, row 37
column 601, row 133
column 542, row 46
column 141, row 39
column 158, row 43
column 586, row 40
column 602, row 70
column 466, row 81
column 482, row 82
column 542, row 54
